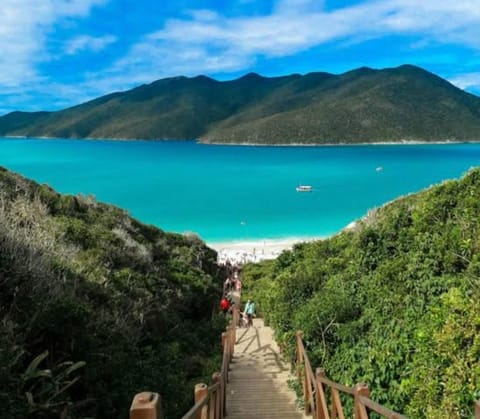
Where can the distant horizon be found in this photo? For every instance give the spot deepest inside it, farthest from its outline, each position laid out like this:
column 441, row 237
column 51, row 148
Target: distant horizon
column 57, row 53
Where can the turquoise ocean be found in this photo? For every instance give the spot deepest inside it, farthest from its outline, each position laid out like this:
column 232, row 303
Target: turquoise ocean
column 238, row 193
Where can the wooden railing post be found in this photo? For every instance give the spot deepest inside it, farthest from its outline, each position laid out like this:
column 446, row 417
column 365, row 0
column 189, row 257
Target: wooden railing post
column 322, row 408
column 308, row 385
column 201, row 391
column 299, row 350
column 219, row 398
column 477, row 409
column 360, row 389
column 337, row 408
column 146, row 405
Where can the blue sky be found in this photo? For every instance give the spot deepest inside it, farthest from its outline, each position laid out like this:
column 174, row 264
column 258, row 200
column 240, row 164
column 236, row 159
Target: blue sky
column 57, row 53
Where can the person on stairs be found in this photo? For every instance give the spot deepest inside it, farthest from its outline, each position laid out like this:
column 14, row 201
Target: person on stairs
column 224, row 304
column 250, row 312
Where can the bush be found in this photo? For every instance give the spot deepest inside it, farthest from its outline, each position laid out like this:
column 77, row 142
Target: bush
column 394, row 304
column 96, row 306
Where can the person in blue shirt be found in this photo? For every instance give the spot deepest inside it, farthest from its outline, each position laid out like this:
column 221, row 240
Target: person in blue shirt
column 250, row 312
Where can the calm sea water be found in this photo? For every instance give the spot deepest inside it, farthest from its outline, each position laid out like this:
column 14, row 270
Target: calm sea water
column 228, row 193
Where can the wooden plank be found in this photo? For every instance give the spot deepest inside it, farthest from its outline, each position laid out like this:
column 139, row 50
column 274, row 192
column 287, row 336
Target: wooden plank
column 258, row 376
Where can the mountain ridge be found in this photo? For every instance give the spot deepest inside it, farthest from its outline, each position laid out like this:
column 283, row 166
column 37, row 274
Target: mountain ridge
column 364, row 105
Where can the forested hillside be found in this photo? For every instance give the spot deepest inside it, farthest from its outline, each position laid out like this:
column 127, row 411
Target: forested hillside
column 394, row 304
column 359, row 106
column 95, row 306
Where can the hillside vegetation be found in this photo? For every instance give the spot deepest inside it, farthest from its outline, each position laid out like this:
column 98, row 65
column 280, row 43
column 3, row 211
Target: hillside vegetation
column 360, row 106
column 394, row 304
column 95, row 306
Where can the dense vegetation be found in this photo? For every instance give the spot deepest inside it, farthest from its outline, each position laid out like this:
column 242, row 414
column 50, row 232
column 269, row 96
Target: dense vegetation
column 95, row 306
column 394, row 303
column 364, row 105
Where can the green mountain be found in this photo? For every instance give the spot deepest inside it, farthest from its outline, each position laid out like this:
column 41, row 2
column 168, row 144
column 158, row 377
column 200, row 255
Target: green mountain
column 96, row 306
column 394, row 303
column 364, row 105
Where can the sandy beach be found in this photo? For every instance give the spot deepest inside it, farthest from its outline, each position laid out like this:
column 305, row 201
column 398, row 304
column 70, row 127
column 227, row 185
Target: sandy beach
column 255, row 250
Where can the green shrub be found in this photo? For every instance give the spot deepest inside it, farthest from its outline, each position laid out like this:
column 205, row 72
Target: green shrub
column 393, row 304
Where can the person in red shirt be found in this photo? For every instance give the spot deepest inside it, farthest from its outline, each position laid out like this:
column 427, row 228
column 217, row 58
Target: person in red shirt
column 224, row 305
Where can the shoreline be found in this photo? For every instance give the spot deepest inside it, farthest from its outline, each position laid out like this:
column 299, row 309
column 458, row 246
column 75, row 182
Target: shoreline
column 248, row 144
column 342, row 144
column 256, row 250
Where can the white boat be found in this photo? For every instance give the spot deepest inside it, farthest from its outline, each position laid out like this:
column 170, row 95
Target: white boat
column 304, row 188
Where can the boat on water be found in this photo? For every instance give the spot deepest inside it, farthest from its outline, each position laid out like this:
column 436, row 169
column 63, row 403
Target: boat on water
column 304, row 188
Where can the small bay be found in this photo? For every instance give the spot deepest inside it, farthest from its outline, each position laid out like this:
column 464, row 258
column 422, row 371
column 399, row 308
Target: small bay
column 225, row 193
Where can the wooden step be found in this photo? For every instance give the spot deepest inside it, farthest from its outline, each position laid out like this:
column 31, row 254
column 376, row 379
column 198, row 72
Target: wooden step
column 258, row 378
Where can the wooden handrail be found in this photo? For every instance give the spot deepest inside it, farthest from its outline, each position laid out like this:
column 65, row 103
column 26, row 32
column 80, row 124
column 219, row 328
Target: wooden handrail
column 210, row 401
column 315, row 399
column 340, row 387
column 305, row 376
column 390, row 414
column 207, row 402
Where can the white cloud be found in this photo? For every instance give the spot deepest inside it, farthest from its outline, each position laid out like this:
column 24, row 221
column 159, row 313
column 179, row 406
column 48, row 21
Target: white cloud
column 88, row 43
column 208, row 42
column 24, row 25
column 466, row 81
column 444, row 21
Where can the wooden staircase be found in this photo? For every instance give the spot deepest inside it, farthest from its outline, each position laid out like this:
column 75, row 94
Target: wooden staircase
column 257, row 386
column 253, row 384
